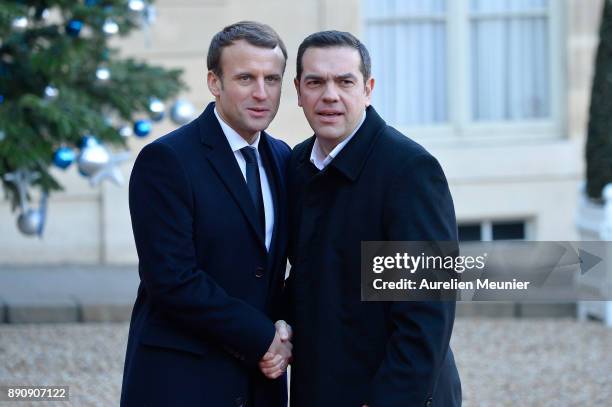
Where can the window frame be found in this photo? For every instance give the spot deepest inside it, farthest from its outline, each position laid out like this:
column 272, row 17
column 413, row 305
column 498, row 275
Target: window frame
column 460, row 125
column 486, row 226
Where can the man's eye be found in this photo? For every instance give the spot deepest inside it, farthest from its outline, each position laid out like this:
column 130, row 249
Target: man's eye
column 272, row 79
column 244, row 78
column 313, row 83
column 347, row 82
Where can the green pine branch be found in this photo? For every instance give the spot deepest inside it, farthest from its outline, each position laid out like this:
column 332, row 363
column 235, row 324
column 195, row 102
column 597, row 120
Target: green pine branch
column 43, row 54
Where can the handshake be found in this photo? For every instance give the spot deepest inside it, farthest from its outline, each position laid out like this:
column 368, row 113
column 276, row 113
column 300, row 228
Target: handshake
column 274, row 363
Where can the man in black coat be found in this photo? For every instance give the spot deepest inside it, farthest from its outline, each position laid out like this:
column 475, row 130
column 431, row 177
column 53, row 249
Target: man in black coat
column 208, row 207
column 355, row 180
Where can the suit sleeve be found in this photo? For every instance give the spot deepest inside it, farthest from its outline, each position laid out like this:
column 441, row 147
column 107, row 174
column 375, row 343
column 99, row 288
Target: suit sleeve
column 419, row 208
column 161, row 207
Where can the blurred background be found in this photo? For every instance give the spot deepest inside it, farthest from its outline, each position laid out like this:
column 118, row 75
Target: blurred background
column 498, row 90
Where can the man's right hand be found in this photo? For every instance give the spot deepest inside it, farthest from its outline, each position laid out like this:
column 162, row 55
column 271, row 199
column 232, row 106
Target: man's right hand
column 277, row 358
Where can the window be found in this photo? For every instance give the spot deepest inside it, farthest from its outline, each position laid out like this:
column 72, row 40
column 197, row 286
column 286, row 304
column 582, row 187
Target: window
column 408, row 45
column 457, row 67
column 496, row 230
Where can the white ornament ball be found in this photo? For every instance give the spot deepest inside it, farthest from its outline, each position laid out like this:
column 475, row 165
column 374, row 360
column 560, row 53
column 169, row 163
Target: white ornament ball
column 136, row 5
column 126, row 131
column 110, row 27
column 157, row 109
column 93, row 158
column 20, row 23
column 103, row 74
column 182, row 112
column 51, row 92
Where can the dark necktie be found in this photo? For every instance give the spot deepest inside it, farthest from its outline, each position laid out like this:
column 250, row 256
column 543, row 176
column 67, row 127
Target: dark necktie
column 254, row 185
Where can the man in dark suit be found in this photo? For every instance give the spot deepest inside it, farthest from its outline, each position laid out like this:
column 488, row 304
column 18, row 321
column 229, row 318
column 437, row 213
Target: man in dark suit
column 208, row 207
column 358, row 179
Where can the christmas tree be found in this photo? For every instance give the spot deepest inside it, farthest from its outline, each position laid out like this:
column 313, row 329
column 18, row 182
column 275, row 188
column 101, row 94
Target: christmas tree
column 66, row 95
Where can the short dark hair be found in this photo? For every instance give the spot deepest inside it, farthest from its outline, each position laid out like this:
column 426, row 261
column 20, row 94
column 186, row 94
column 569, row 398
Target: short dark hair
column 257, row 34
column 333, row 38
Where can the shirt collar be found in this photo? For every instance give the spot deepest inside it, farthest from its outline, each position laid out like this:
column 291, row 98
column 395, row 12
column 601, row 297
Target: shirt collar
column 317, row 156
column 235, row 140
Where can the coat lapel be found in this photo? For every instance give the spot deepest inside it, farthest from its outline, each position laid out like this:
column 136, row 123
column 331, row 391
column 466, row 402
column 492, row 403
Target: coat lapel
column 276, row 182
column 223, row 161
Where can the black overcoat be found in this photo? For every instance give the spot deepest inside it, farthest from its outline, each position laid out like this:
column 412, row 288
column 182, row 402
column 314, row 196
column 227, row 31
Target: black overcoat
column 209, row 289
column 382, row 186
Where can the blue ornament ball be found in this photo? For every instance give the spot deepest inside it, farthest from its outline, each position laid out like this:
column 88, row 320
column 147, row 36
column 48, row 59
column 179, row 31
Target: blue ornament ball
column 73, row 27
column 142, row 128
column 63, row 157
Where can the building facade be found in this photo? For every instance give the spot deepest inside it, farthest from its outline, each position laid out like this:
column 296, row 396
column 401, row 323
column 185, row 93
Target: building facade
column 497, row 90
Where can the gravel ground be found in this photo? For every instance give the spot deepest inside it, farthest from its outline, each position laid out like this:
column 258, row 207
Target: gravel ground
column 502, row 362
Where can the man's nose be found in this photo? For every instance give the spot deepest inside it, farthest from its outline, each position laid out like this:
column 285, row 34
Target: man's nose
column 260, row 92
column 330, row 94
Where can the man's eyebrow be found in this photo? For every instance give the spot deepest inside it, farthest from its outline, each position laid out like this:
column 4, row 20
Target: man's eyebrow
column 345, row 76
column 312, row 76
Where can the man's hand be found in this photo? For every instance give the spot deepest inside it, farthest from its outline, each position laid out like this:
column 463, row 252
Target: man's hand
column 277, row 358
column 284, row 330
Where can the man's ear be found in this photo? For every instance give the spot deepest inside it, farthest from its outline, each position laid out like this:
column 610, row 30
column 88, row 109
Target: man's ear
column 296, row 82
column 214, row 83
column 369, row 87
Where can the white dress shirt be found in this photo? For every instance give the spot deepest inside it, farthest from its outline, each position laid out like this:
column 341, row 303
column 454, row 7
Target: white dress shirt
column 236, row 142
column 318, row 157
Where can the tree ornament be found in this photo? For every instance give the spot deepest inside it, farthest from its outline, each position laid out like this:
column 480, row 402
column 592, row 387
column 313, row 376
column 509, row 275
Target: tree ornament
column 182, row 112
column 157, row 109
column 64, row 157
column 136, row 5
column 51, row 92
column 73, row 27
column 30, row 221
column 110, row 27
column 97, row 163
column 142, row 128
column 20, row 24
column 93, row 156
column 103, row 74
column 110, row 170
column 126, row 131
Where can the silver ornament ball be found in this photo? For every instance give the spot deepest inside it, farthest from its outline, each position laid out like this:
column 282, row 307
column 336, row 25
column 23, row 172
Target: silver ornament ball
column 157, row 109
column 20, row 23
column 93, row 158
column 136, row 5
column 51, row 92
column 182, row 112
column 103, row 74
column 30, row 222
column 110, row 27
column 126, row 131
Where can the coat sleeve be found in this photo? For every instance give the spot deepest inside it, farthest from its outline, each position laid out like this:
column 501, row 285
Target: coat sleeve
column 419, row 208
column 161, row 208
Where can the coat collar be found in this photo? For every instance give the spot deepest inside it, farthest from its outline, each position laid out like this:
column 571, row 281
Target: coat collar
column 352, row 157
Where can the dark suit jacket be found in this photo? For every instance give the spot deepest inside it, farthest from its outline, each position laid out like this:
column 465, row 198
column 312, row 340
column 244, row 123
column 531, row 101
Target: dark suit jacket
column 381, row 187
column 209, row 290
